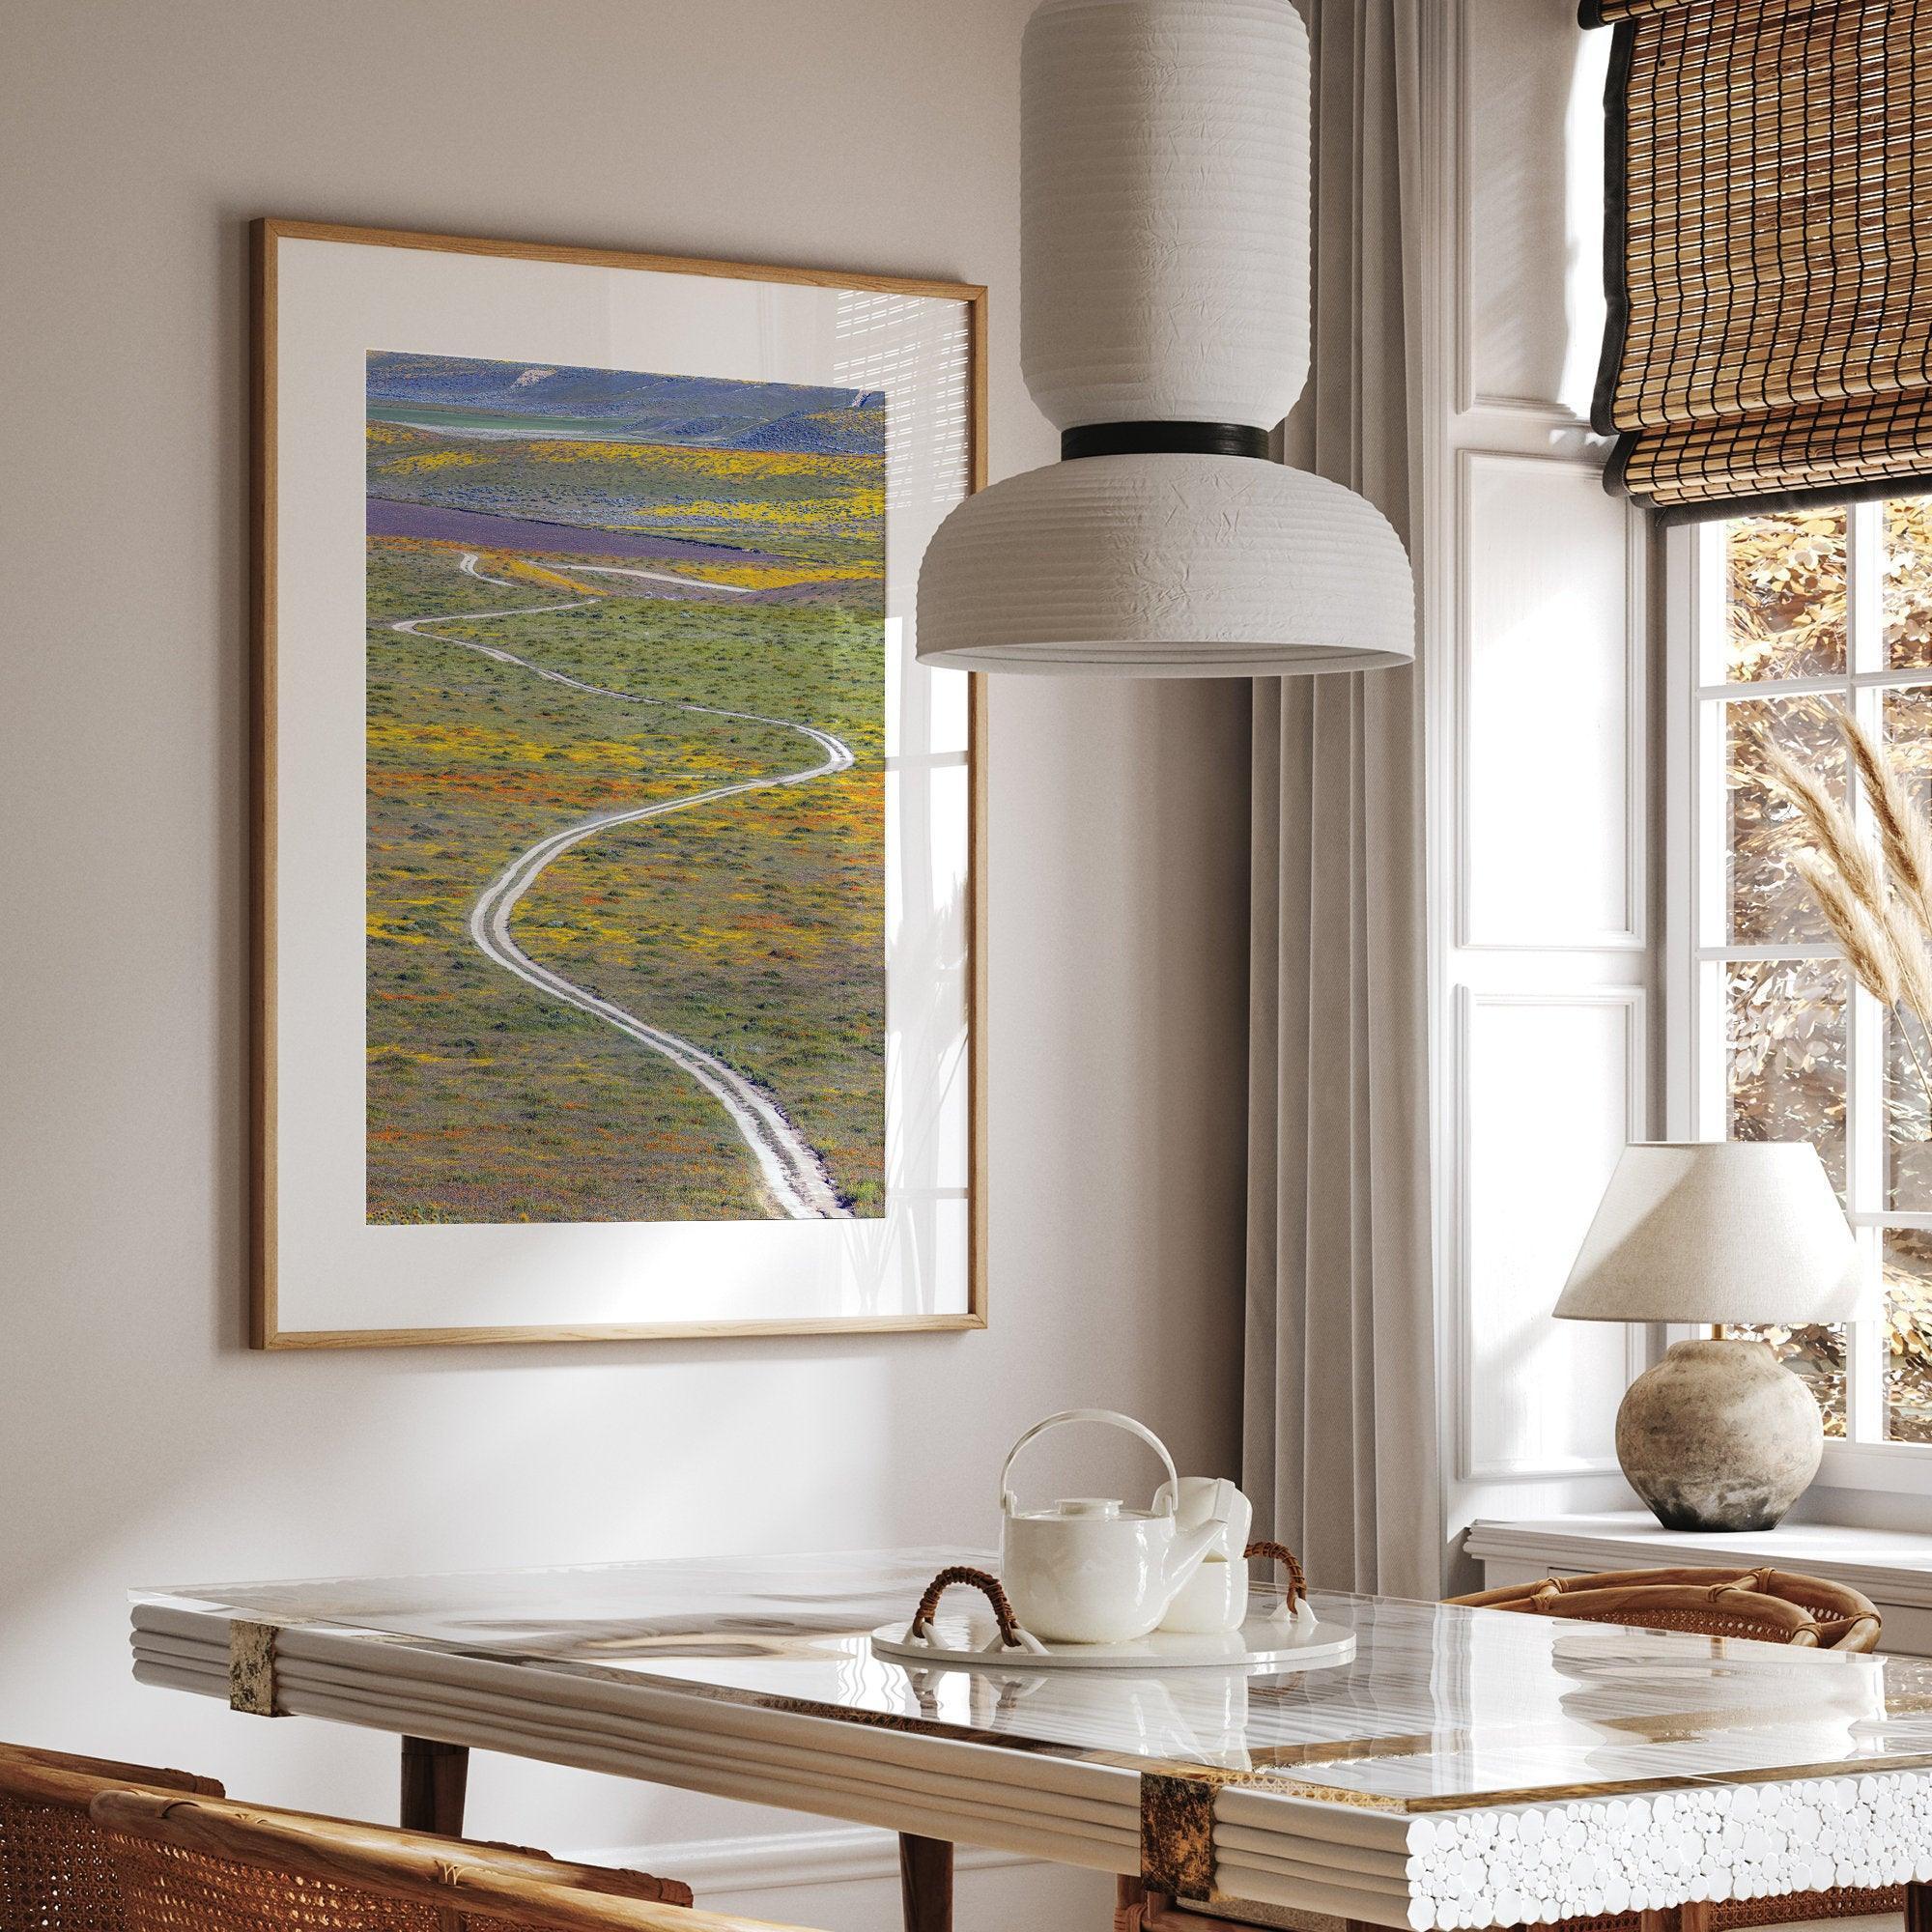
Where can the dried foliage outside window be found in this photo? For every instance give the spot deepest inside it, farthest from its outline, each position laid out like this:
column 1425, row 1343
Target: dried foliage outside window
column 1785, row 1040
column 1908, row 1334
column 1767, row 902
column 1818, row 839
column 1785, row 610
column 1907, row 573
column 1875, row 896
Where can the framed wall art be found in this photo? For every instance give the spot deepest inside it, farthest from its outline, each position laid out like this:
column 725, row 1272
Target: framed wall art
column 618, row 898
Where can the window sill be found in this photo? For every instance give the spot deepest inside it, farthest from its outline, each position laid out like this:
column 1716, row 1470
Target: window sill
column 1892, row 1566
column 1899, row 1468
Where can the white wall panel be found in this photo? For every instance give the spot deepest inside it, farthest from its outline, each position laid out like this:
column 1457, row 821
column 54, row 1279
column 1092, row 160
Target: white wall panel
column 1549, row 820
column 1530, row 226
column 1553, row 1087
column 1532, row 582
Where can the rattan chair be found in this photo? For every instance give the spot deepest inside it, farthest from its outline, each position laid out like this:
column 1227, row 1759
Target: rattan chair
column 55, row 1874
column 1765, row 1606
column 191, row 1865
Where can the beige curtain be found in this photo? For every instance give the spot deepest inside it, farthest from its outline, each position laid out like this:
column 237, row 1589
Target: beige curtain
column 1339, row 1438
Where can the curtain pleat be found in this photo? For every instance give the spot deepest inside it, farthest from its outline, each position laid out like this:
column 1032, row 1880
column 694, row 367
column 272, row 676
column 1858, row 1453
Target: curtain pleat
column 1339, row 1442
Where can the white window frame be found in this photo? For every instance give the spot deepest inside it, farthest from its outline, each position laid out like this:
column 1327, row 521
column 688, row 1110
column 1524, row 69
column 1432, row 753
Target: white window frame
column 1695, row 1097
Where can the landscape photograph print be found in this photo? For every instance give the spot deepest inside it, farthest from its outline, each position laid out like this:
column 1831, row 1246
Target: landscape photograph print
column 625, row 863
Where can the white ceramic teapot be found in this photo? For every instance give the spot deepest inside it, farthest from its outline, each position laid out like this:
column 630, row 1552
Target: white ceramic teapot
column 1088, row 1569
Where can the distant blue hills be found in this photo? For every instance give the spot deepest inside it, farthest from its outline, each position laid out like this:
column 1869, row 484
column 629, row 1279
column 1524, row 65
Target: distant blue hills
column 707, row 409
column 845, row 432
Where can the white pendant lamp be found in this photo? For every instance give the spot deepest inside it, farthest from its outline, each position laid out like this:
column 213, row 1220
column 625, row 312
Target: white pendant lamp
column 1164, row 326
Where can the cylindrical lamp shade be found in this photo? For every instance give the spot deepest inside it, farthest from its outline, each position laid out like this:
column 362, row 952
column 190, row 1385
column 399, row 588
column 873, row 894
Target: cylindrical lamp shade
column 1170, row 565
column 1164, row 210
column 1719, row 1232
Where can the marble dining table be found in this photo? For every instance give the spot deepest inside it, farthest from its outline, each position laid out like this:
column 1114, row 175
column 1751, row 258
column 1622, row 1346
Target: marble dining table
column 1462, row 1768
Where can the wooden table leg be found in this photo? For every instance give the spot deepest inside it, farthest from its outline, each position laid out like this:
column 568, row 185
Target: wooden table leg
column 434, row 1777
column 1919, row 1908
column 925, row 1884
column 1129, row 1903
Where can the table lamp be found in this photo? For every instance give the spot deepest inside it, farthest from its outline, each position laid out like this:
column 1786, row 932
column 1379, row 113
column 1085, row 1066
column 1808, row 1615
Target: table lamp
column 1719, row 1435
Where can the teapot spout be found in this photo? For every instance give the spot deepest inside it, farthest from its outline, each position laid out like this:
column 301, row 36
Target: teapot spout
column 1186, row 1554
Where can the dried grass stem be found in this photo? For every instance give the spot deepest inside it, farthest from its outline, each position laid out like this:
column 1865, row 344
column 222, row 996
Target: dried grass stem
column 1878, row 905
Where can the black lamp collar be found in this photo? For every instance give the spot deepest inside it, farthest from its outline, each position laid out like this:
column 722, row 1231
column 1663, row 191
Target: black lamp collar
column 1164, row 438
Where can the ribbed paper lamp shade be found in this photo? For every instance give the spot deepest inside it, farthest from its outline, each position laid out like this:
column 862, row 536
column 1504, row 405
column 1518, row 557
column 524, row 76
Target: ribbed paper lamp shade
column 1104, row 564
column 1164, row 210
column 1164, row 325
column 1716, row 1231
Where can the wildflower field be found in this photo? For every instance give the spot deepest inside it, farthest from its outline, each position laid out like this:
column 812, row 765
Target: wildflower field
column 641, row 548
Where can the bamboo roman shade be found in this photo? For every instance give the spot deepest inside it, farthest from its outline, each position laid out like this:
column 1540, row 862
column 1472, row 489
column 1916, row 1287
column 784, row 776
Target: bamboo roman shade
column 1768, row 255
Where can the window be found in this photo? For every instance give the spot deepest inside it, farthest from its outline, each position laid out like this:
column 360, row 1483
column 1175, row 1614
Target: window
column 1777, row 621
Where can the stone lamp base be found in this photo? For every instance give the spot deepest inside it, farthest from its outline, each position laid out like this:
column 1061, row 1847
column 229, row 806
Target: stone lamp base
column 1720, row 1435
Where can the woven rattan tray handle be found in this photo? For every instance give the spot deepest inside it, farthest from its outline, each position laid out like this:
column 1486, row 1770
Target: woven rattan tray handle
column 1295, row 1589
column 987, row 1584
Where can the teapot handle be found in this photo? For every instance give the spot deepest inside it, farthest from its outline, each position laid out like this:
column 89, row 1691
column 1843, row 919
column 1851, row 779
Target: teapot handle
column 1109, row 1415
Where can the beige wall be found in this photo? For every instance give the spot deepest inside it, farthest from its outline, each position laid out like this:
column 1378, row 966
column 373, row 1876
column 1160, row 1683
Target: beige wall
column 141, row 1443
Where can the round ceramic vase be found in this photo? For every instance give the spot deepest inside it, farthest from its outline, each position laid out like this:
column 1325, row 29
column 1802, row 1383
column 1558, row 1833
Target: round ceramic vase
column 1719, row 1436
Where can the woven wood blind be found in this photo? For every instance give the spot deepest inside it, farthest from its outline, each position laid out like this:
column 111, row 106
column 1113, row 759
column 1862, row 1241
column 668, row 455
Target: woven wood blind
column 1769, row 254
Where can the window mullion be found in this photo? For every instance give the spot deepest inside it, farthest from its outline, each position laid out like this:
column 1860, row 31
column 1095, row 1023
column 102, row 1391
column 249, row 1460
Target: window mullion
column 1710, row 870
column 1706, row 644
column 1864, row 1355
column 1864, row 1192
column 1868, row 1180
column 1865, row 588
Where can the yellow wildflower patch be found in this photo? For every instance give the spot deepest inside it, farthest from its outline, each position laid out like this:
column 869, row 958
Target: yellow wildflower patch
column 775, row 576
column 860, row 505
column 386, row 925
column 522, row 568
column 453, row 745
column 751, row 465
column 433, row 459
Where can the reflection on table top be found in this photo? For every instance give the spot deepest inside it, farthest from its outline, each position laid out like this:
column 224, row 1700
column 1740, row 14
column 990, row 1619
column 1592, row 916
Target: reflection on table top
column 1440, row 1706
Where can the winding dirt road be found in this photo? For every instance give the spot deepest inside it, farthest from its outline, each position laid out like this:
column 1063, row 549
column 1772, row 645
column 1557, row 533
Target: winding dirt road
column 791, row 1170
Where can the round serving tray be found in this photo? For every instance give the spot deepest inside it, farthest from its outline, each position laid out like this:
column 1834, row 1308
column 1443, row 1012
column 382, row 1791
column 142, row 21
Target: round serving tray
column 969, row 1642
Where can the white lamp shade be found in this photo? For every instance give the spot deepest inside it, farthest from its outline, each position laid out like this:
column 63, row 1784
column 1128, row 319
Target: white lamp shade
column 1168, row 565
column 1716, row 1232
column 1164, row 246
column 1164, row 210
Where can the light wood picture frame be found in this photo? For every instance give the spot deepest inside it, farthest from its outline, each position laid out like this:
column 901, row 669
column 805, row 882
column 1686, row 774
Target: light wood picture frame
column 622, row 509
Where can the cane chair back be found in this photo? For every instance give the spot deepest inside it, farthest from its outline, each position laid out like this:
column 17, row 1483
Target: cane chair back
column 55, row 1873
column 1766, row 1605
column 201, row 1866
